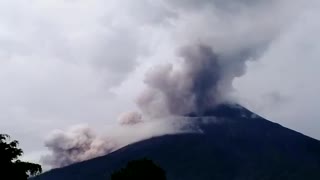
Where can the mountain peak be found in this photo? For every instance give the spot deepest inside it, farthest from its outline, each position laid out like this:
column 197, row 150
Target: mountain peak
column 226, row 110
column 234, row 144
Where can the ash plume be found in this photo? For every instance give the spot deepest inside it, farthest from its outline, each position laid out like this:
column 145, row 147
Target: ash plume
column 200, row 82
column 77, row 144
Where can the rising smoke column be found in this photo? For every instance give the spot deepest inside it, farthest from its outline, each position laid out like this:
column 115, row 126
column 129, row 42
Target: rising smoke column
column 201, row 81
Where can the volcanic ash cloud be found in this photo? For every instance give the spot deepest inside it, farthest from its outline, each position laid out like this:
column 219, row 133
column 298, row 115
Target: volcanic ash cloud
column 200, row 80
column 75, row 145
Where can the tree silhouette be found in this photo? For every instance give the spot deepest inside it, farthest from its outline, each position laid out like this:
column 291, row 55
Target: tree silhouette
column 10, row 166
column 143, row 169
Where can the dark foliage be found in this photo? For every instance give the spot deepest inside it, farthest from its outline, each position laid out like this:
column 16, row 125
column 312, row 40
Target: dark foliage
column 11, row 167
column 143, row 169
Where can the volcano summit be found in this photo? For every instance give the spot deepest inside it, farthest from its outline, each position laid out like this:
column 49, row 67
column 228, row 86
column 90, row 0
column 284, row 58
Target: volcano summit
column 232, row 144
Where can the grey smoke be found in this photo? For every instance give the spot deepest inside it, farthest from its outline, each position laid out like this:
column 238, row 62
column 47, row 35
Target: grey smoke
column 81, row 143
column 130, row 118
column 77, row 144
column 202, row 81
column 194, row 87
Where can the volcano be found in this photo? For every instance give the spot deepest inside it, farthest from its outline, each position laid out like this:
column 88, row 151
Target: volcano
column 231, row 143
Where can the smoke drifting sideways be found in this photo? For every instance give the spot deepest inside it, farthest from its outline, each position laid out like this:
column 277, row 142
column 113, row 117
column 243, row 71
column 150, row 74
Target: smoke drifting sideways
column 130, row 118
column 81, row 143
column 77, row 144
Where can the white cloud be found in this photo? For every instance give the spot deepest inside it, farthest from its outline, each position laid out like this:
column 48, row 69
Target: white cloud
column 65, row 62
column 289, row 70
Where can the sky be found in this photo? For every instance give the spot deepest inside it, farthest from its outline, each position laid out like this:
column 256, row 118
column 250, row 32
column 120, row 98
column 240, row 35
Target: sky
column 71, row 62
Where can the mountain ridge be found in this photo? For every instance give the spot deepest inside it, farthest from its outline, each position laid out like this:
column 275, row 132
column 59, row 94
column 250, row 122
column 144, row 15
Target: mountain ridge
column 239, row 146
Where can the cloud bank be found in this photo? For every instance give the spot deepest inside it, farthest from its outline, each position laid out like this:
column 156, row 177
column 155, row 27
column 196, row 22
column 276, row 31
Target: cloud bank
column 71, row 62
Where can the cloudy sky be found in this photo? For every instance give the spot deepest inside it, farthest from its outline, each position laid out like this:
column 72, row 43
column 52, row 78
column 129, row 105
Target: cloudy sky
column 69, row 62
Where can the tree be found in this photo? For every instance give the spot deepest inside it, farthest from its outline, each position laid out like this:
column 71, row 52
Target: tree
column 143, row 169
column 10, row 166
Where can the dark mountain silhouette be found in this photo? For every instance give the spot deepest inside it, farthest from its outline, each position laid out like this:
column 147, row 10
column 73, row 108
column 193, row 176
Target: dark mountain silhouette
column 234, row 144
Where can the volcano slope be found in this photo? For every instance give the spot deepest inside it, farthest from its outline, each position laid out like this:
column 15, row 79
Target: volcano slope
column 233, row 144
